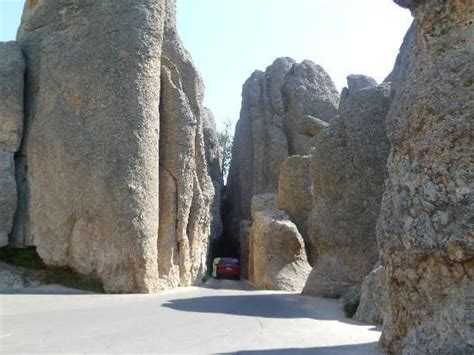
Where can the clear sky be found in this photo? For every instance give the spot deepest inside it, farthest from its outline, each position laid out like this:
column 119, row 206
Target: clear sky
column 229, row 39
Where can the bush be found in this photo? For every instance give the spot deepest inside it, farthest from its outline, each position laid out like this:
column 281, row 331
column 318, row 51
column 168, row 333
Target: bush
column 350, row 308
column 68, row 278
column 29, row 259
column 225, row 140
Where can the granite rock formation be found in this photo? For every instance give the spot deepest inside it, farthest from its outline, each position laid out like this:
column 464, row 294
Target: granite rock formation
column 283, row 109
column 371, row 298
column 13, row 277
column 359, row 81
column 277, row 256
column 8, row 195
column 244, row 247
column 112, row 173
column 348, row 172
column 213, row 159
column 425, row 227
column 295, row 196
column 186, row 190
column 12, row 72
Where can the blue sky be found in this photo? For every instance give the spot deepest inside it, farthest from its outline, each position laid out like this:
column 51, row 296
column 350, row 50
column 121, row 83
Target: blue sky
column 229, row 39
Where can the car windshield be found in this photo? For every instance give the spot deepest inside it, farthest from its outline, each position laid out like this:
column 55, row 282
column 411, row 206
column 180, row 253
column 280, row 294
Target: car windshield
column 229, row 261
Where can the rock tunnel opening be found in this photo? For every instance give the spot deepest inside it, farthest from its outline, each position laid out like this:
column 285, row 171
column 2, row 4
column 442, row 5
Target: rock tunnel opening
column 224, row 245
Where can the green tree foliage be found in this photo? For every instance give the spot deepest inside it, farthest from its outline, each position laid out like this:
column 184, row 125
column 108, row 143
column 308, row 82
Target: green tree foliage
column 225, row 139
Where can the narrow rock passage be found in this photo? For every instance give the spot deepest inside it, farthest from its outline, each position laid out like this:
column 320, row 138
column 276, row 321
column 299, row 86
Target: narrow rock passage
column 223, row 316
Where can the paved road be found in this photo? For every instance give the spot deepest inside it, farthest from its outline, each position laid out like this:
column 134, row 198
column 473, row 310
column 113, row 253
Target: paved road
column 224, row 316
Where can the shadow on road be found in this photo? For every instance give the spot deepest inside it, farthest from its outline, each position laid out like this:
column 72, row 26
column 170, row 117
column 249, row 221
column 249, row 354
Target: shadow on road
column 224, row 284
column 265, row 305
column 366, row 348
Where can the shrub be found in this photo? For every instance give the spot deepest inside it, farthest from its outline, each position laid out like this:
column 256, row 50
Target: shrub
column 350, row 308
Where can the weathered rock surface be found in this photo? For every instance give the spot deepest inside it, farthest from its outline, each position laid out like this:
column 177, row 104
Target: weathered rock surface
column 213, row 159
column 295, row 196
column 371, row 298
column 425, row 228
column 244, row 247
column 283, row 109
column 8, row 195
column 186, row 190
column 12, row 277
column 114, row 181
column 12, row 73
column 358, row 81
column 277, row 257
column 263, row 202
column 348, row 171
column 211, row 145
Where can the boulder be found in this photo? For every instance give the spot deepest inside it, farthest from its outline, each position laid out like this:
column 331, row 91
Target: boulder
column 114, row 181
column 358, row 81
column 283, row 109
column 263, row 202
column 348, row 172
column 277, row 259
column 295, row 196
column 12, row 73
column 425, row 229
column 371, row 298
column 13, row 277
column 260, row 202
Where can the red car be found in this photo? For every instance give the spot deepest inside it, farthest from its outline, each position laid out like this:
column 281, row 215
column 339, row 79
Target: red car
column 228, row 268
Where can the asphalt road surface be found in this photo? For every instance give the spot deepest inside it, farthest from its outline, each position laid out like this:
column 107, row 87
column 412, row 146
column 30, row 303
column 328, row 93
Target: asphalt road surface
column 222, row 317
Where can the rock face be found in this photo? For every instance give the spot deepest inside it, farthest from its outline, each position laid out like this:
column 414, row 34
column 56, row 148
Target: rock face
column 295, row 196
column 358, row 81
column 8, row 195
column 112, row 173
column 213, row 160
column 425, row 228
column 244, row 247
column 12, row 72
column 283, row 109
column 186, row 190
column 371, row 298
column 277, row 258
column 12, row 277
column 348, row 171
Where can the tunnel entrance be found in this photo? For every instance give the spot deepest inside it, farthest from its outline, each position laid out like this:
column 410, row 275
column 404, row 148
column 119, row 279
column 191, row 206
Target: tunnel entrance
column 225, row 245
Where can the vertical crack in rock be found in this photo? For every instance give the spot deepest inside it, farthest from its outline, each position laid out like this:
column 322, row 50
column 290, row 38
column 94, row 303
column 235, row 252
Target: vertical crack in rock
column 213, row 158
column 185, row 220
